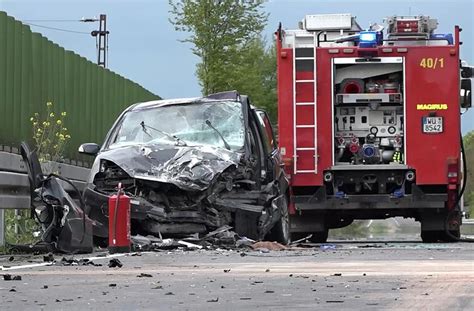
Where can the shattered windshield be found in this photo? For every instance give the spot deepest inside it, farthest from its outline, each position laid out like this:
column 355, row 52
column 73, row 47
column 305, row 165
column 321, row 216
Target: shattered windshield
column 218, row 124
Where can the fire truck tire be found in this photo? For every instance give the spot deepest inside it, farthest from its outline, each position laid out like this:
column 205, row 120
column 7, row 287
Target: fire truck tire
column 436, row 227
column 281, row 230
column 440, row 236
column 453, row 236
column 430, row 236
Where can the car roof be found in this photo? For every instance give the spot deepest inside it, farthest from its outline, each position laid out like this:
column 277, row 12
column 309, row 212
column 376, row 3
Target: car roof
column 174, row 101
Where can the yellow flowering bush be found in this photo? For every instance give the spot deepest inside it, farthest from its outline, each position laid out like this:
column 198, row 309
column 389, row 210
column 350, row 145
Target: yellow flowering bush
column 49, row 134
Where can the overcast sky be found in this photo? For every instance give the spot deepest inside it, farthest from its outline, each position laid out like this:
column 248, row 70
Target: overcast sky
column 145, row 48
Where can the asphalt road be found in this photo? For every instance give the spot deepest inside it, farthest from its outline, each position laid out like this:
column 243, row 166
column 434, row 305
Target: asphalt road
column 366, row 275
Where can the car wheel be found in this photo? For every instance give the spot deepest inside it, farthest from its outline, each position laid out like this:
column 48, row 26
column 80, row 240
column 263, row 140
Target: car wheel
column 100, row 241
column 281, row 231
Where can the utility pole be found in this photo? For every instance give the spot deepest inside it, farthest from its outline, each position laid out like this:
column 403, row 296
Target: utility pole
column 102, row 46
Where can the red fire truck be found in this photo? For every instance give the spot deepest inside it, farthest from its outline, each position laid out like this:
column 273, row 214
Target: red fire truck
column 369, row 123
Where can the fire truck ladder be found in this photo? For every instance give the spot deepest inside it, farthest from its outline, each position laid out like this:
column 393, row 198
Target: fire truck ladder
column 309, row 41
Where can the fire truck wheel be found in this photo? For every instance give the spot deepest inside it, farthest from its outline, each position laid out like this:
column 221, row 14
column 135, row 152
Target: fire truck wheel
column 452, row 236
column 436, row 227
column 440, row 236
column 281, row 230
column 430, row 236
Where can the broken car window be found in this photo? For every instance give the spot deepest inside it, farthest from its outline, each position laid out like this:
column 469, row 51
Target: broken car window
column 186, row 122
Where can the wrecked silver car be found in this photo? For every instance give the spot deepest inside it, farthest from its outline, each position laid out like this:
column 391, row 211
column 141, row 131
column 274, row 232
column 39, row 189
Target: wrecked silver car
column 191, row 166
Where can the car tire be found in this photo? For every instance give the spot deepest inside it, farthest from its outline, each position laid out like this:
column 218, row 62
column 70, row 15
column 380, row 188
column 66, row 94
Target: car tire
column 100, row 241
column 281, row 230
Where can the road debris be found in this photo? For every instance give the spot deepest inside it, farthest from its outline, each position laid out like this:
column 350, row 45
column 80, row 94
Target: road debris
column 144, row 275
column 71, row 261
column 48, row 258
column 264, row 245
column 9, row 277
column 302, row 240
column 213, row 300
column 370, row 246
column 327, row 246
column 190, row 245
column 222, row 237
column 115, row 263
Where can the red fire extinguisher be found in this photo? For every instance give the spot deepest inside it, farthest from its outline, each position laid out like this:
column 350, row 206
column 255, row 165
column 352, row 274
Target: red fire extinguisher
column 119, row 222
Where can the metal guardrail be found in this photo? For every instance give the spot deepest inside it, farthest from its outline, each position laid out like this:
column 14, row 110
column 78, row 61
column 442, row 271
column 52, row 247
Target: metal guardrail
column 15, row 187
column 467, row 227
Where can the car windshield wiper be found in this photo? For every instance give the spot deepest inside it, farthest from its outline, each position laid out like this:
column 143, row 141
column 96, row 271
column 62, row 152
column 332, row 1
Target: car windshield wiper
column 219, row 133
column 171, row 136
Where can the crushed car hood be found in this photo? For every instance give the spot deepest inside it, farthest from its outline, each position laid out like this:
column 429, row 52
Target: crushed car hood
column 191, row 168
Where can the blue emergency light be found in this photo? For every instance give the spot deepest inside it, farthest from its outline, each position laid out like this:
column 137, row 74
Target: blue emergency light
column 370, row 39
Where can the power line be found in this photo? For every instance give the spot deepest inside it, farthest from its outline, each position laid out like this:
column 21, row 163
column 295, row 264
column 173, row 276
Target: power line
column 51, row 20
column 58, row 29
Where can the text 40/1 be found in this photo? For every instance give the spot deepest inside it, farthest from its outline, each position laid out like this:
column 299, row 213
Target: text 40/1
column 432, row 63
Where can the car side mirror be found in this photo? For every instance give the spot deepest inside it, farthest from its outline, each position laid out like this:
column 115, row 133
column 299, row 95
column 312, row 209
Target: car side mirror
column 466, row 97
column 89, row 149
column 467, row 72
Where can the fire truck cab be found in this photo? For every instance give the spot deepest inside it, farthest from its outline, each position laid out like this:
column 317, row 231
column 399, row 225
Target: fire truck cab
column 369, row 123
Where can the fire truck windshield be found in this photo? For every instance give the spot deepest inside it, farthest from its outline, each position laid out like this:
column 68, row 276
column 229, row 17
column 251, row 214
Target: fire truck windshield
column 183, row 124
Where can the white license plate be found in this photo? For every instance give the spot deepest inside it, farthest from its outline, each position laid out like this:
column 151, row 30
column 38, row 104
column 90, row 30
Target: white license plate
column 432, row 124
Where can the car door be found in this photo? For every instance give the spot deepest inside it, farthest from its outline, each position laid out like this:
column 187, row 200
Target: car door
column 272, row 155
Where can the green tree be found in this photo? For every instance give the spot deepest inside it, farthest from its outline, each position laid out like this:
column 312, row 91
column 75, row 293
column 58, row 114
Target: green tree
column 226, row 36
column 255, row 74
column 468, row 140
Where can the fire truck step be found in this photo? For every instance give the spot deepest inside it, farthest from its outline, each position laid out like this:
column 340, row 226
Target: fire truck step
column 305, row 148
column 305, row 104
column 306, row 171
